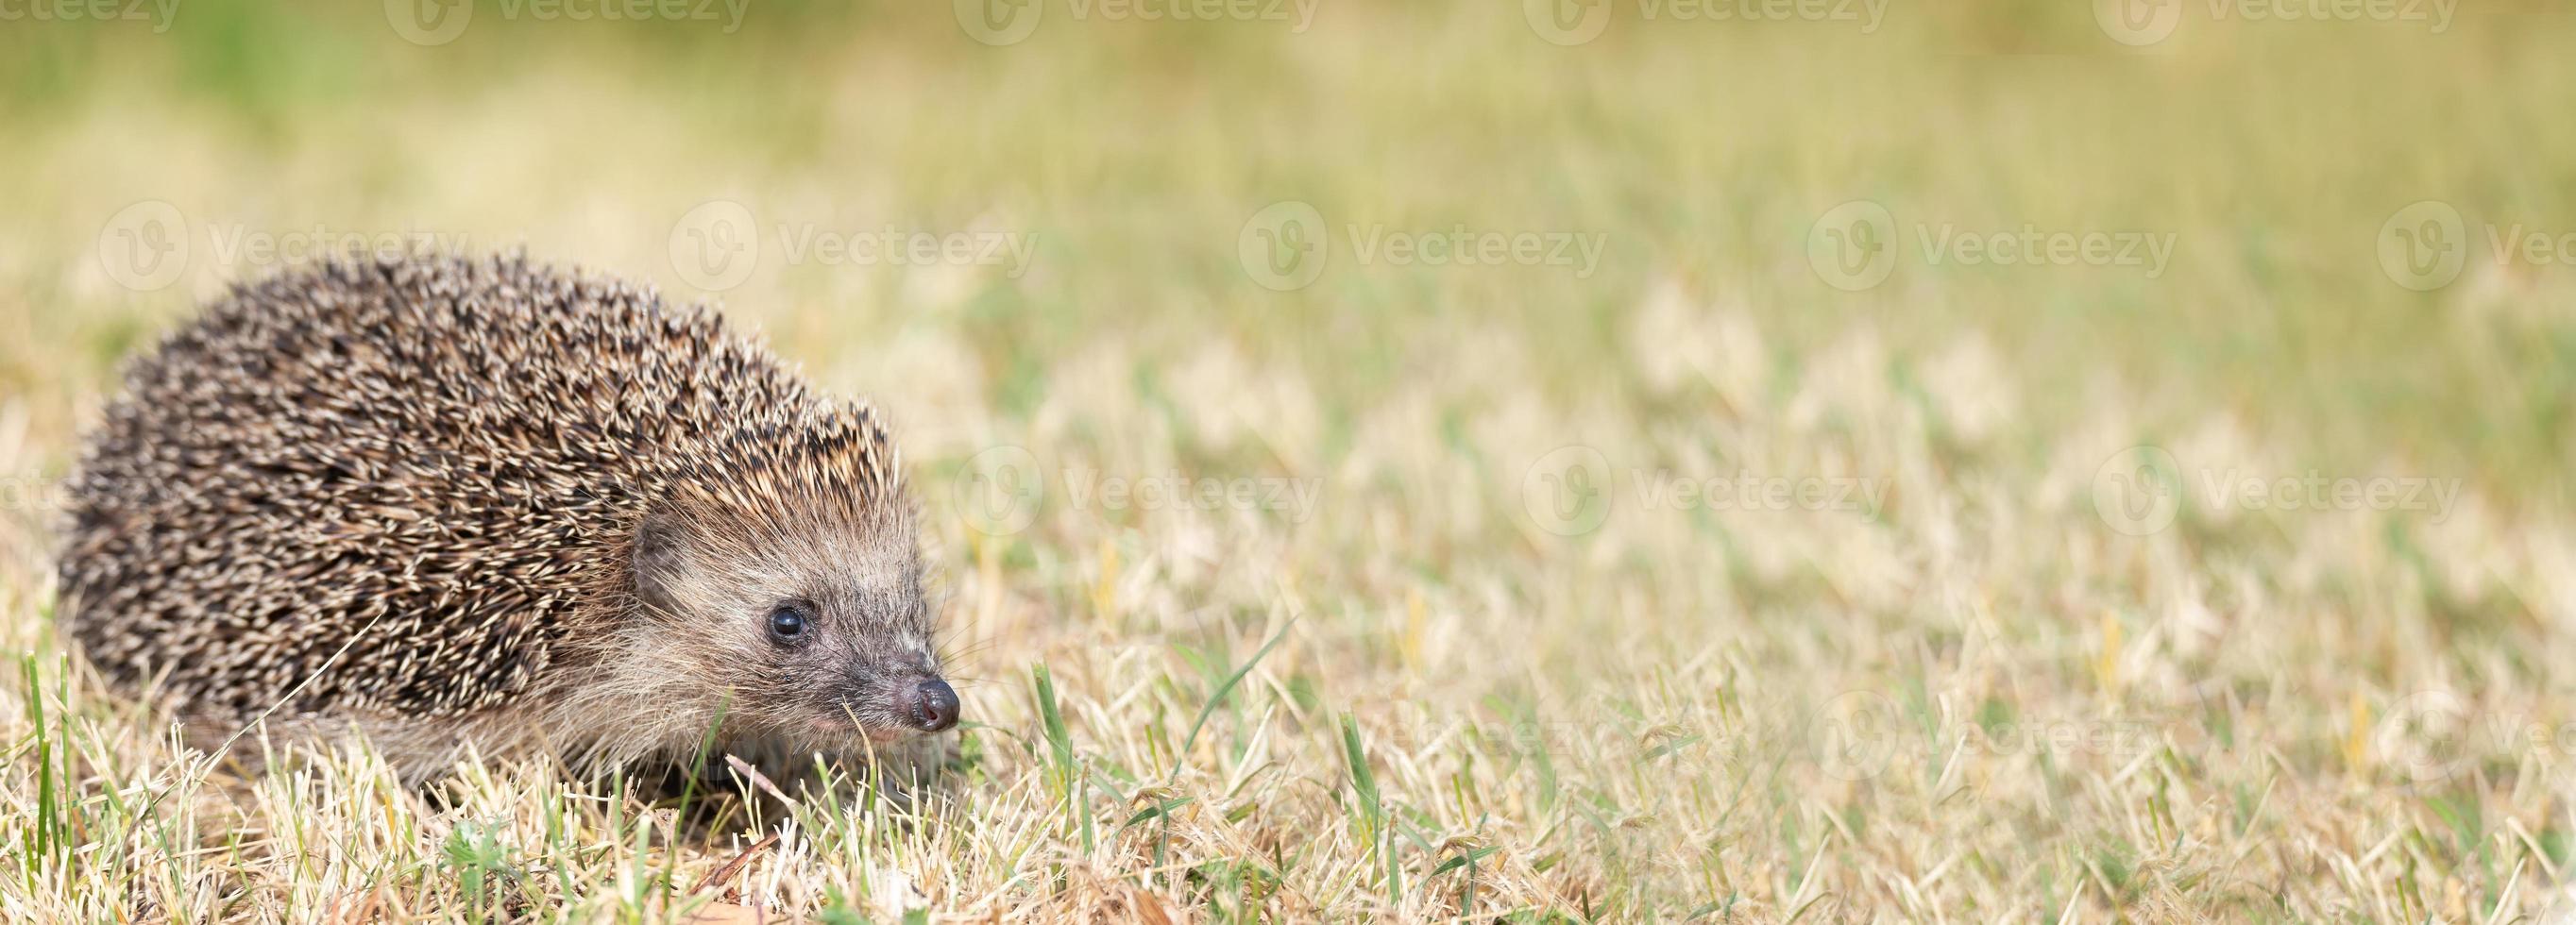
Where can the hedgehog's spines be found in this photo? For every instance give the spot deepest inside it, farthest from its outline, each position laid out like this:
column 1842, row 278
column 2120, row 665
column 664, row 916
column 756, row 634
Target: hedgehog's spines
column 451, row 451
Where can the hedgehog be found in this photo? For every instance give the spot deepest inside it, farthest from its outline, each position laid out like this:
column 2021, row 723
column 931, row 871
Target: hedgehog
column 478, row 506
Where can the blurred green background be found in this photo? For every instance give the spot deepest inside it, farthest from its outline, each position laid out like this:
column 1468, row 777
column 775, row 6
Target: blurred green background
column 1131, row 152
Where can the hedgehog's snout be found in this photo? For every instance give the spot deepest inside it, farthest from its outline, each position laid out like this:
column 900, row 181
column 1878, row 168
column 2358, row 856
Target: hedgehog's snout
column 930, row 706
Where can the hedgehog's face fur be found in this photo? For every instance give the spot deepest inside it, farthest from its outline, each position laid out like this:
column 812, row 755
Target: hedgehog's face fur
column 795, row 619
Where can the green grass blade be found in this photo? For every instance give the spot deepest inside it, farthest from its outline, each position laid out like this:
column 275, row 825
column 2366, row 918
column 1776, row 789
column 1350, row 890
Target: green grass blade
column 1218, row 696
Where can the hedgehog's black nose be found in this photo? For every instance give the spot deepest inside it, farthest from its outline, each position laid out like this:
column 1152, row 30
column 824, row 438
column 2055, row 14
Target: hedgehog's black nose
column 932, row 706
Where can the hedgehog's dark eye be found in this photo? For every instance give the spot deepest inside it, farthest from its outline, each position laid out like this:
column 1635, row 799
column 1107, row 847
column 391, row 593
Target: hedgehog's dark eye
column 788, row 624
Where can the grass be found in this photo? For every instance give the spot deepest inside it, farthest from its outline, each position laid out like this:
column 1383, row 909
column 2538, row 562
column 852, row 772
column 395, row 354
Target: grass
column 1679, row 583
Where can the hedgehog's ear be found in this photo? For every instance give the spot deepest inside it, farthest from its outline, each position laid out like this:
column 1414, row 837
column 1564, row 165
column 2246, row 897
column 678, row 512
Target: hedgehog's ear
column 659, row 557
